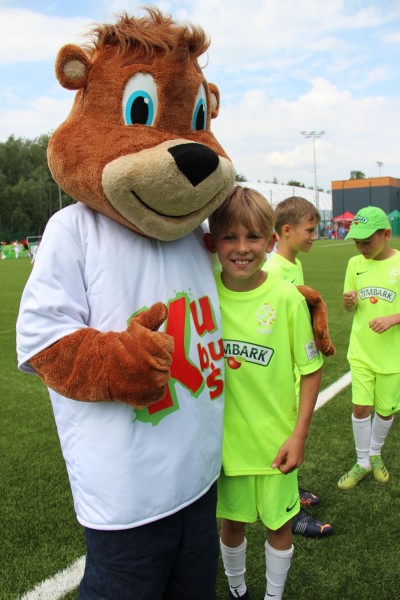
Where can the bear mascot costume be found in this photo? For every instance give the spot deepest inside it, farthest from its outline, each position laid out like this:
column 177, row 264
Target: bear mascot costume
column 120, row 315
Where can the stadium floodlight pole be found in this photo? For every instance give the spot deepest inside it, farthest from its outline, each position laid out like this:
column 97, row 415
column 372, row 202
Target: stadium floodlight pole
column 314, row 135
column 379, row 165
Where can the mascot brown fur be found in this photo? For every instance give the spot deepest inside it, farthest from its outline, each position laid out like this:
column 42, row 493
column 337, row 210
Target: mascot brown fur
column 319, row 318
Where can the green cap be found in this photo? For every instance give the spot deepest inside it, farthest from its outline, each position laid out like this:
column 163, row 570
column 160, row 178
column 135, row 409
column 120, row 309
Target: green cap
column 366, row 222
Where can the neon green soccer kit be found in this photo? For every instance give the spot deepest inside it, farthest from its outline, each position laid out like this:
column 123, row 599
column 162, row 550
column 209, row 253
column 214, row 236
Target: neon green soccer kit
column 293, row 272
column 284, row 268
column 377, row 283
column 266, row 331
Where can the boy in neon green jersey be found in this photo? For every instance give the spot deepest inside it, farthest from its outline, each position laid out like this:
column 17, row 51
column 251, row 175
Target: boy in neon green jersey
column 372, row 293
column 267, row 331
column 296, row 222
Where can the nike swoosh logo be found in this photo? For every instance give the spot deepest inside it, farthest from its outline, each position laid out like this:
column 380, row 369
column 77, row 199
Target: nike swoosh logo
column 271, row 595
column 361, row 272
column 289, row 508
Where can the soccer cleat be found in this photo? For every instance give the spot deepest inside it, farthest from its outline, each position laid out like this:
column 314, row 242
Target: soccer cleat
column 379, row 471
column 305, row 524
column 307, row 498
column 352, row 477
column 244, row 597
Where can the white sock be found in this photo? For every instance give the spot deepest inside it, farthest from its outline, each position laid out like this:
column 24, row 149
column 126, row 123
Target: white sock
column 234, row 560
column 379, row 431
column 362, row 439
column 278, row 565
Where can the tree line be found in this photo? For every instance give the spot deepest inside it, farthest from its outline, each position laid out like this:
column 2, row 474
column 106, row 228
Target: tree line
column 29, row 196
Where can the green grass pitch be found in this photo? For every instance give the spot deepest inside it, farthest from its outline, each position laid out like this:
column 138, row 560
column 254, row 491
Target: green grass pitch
column 39, row 533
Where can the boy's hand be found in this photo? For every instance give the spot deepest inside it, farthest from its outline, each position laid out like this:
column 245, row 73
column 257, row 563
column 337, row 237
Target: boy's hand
column 382, row 324
column 290, row 455
column 350, row 300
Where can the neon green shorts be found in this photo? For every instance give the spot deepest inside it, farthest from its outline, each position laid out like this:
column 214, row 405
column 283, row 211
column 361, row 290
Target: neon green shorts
column 380, row 390
column 274, row 498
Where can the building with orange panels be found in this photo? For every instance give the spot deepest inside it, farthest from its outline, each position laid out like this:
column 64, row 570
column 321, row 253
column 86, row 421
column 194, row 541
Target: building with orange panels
column 349, row 195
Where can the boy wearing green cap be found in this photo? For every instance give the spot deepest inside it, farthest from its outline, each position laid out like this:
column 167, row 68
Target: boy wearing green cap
column 372, row 293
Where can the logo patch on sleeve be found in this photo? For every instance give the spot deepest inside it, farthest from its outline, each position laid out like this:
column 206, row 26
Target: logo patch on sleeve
column 311, row 350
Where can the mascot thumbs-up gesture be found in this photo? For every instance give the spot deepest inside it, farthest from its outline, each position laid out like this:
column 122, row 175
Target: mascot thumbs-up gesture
column 120, row 315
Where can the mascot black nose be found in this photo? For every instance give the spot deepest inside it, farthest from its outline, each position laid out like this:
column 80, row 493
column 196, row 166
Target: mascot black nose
column 195, row 161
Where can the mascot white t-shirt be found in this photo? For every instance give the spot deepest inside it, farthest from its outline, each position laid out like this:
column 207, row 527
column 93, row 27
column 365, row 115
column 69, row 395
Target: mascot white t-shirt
column 128, row 467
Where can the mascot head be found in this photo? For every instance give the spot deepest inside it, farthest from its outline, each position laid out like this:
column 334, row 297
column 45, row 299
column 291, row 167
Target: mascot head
column 137, row 144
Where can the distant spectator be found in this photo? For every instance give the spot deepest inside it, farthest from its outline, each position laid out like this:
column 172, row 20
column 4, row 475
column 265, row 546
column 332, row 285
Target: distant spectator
column 16, row 248
column 25, row 245
column 34, row 249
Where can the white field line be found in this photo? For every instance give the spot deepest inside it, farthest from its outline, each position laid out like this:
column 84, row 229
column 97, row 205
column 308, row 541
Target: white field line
column 334, row 243
column 56, row 587
column 332, row 390
column 7, row 331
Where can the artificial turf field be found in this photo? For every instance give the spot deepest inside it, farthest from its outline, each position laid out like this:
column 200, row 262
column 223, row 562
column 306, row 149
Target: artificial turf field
column 40, row 536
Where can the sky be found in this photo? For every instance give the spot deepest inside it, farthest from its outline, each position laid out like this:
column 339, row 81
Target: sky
column 282, row 67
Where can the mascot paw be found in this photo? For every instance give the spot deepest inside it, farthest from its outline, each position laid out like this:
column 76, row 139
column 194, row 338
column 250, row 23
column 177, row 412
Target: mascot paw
column 131, row 367
column 319, row 318
column 151, row 350
column 325, row 346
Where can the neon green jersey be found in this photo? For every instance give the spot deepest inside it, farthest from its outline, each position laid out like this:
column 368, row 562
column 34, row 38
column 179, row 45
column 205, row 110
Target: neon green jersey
column 266, row 332
column 284, row 268
column 377, row 283
column 293, row 272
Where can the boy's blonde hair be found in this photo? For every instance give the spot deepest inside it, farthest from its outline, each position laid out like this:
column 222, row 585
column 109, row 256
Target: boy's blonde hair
column 247, row 207
column 292, row 210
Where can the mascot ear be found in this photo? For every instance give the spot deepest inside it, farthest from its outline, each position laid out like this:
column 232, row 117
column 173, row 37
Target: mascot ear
column 72, row 66
column 214, row 100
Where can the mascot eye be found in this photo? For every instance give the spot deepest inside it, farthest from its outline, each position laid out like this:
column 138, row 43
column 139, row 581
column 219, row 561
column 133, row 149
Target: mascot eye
column 199, row 119
column 140, row 100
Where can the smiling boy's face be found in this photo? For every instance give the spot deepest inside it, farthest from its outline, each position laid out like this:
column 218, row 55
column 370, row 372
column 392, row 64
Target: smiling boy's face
column 241, row 252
